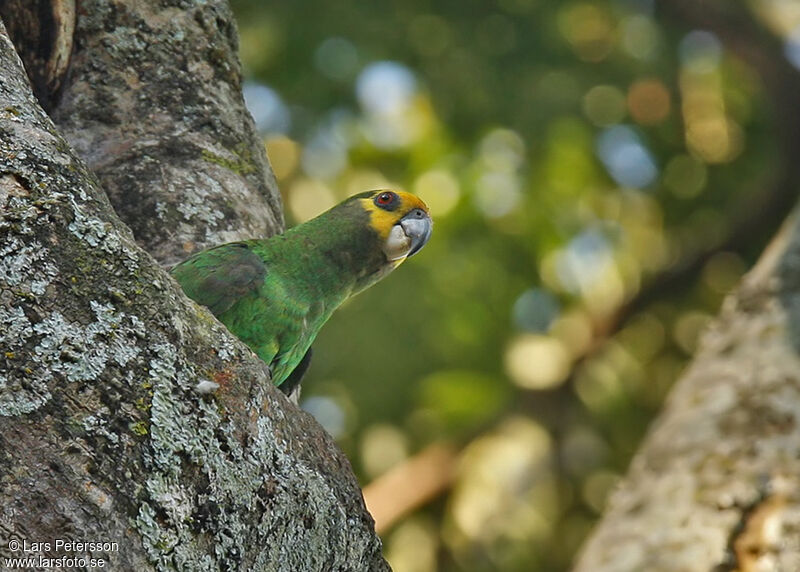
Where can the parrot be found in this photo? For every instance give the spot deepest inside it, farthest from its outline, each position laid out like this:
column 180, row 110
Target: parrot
column 275, row 294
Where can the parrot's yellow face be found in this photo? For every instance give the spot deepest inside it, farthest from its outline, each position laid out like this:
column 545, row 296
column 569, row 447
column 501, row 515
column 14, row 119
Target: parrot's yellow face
column 401, row 220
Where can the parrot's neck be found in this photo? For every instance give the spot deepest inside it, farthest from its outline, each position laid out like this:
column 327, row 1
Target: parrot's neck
column 342, row 255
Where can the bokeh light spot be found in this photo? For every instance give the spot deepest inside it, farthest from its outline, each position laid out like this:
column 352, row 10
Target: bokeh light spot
column 685, row 176
column 791, row 47
column 644, row 336
column 535, row 310
column 284, row 155
column 396, row 112
column 700, row 51
column 336, row 58
column 716, row 139
column 497, row 193
column 439, row 189
column 412, row 547
column 604, row 105
column 262, row 39
column 574, row 330
column 327, row 412
column 537, row 362
column 385, row 87
column 598, row 386
column 688, row 328
column 359, row 180
column 502, row 150
column 382, row 447
column 596, row 488
column 648, row 101
column 498, row 472
column 585, row 260
column 626, row 158
column 308, row 198
column 589, row 30
column 723, row 271
column 270, row 113
column 325, row 156
column 640, row 36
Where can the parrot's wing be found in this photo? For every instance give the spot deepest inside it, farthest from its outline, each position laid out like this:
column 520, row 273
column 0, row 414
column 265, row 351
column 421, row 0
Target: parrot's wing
column 217, row 278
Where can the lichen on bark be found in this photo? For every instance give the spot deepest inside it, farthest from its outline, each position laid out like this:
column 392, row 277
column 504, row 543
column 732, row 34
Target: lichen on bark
column 103, row 436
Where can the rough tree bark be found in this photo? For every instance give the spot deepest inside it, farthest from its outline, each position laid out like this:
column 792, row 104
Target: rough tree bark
column 153, row 105
column 103, row 435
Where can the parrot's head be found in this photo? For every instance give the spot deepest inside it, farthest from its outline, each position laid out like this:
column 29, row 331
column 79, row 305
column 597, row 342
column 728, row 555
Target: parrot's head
column 369, row 234
column 401, row 221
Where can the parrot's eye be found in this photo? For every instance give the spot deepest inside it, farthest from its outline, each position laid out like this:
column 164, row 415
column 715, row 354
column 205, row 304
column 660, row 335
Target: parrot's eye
column 387, row 200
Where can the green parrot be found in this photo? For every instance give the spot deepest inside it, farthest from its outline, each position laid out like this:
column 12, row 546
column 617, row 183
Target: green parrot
column 276, row 293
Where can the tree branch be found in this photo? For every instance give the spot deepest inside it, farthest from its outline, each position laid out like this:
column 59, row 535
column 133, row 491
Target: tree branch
column 727, row 436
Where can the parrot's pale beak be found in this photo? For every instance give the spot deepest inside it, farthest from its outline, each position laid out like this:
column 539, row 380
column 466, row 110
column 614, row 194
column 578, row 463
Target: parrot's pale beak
column 417, row 226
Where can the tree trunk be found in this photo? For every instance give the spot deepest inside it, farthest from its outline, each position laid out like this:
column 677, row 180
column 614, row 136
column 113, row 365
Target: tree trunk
column 153, row 105
column 716, row 485
column 104, row 436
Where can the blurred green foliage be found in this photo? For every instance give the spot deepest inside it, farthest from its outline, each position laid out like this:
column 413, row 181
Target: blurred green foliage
column 572, row 153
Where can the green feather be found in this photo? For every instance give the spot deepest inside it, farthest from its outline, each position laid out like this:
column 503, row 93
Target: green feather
column 275, row 294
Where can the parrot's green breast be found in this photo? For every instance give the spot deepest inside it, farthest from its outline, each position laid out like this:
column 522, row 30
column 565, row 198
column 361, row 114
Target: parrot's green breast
column 275, row 294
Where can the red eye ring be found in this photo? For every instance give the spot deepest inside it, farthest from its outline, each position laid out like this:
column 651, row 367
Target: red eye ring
column 387, row 200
